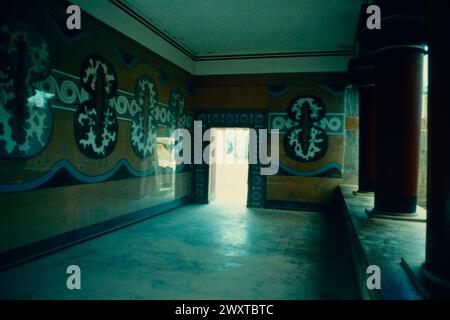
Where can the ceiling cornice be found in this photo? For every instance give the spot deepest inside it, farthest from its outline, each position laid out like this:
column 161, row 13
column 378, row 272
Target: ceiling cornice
column 132, row 13
column 274, row 55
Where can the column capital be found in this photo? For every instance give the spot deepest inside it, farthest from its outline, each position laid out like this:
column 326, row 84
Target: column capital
column 436, row 280
column 362, row 72
column 403, row 25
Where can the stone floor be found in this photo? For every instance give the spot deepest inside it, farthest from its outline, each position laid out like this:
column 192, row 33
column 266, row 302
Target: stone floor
column 200, row 252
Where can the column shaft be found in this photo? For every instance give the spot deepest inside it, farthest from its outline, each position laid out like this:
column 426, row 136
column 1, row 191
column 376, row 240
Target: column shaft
column 398, row 72
column 437, row 266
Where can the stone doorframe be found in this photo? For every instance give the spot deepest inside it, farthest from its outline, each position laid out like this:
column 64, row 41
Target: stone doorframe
column 256, row 196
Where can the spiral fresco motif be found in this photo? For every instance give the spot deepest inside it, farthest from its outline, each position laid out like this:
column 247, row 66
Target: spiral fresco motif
column 306, row 141
column 95, row 123
column 26, row 120
column 176, row 109
column 143, row 127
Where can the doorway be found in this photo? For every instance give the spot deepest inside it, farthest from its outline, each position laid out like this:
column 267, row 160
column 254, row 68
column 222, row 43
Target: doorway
column 228, row 183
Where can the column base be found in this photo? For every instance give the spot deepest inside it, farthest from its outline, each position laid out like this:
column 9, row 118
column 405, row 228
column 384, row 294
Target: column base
column 414, row 273
column 394, row 204
column 363, row 192
column 418, row 216
column 440, row 286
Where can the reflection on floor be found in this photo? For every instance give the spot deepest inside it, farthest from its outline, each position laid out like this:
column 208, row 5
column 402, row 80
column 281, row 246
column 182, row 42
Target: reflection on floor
column 201, row 252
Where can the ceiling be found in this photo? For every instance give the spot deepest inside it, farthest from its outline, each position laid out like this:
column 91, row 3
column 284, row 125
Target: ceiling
column 248, row 27
column 210, row 36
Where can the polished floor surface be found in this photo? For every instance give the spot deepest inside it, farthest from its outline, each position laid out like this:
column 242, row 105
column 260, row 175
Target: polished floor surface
column 200, row 252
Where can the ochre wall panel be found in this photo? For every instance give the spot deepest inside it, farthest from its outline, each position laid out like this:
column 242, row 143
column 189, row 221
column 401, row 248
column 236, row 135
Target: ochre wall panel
column 233, row 81
column 245, row 97
column 39, row 214
column 314, row 190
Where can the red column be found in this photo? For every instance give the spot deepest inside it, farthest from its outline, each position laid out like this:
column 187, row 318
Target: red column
column 437, row 265
column 398, row 117
column 398, row 55
column 362, row 73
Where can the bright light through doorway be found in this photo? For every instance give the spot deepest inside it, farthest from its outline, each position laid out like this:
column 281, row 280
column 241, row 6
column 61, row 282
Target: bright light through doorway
column 228, row 175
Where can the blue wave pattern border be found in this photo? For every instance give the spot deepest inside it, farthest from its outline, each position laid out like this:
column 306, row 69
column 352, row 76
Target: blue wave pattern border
column 312, row 173
column 64, row 164
column 83, row 178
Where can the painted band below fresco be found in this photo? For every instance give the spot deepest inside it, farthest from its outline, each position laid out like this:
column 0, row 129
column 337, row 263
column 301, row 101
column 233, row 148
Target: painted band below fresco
column 63, row 174
column 329, row 170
